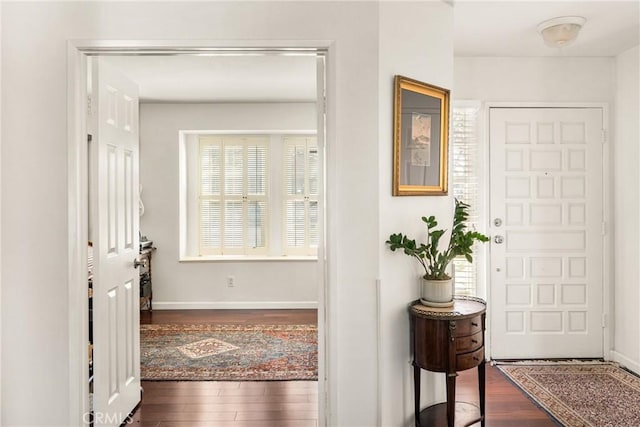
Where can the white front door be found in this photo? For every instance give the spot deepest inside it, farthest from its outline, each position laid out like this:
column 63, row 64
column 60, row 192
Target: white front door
column 114, row 231
column 547, row 232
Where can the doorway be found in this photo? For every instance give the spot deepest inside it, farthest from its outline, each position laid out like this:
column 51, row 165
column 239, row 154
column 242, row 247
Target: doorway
column 77, row 187
column 547, row 266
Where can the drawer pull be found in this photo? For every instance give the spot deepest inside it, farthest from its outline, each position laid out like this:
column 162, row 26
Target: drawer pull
column 475, row 358
column 474, row 324
column 474, row 341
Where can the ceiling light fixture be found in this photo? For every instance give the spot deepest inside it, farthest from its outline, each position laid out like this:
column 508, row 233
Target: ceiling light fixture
column 562, row 31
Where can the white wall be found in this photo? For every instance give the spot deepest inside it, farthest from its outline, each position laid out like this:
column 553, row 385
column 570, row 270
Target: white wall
column 0, row 213
column 35, row 337
column 268, row 284
column 35, row 304
column 534, row 79
column 405, row 49
column 627, row 210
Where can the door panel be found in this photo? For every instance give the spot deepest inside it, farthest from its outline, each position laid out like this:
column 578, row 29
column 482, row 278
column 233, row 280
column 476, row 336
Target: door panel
column 547, row 253
column 115, row 223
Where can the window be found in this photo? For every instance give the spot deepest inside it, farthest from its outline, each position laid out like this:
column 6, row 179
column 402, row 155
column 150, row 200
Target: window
column 301, row 185
column 233, row 195
column 466, row 186
column 252, row 195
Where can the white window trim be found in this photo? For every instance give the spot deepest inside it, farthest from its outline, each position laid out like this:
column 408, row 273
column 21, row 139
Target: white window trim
column 251, row 258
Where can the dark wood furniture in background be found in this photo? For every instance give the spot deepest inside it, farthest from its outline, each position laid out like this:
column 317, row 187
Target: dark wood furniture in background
column 146, row 289
column 449, row 340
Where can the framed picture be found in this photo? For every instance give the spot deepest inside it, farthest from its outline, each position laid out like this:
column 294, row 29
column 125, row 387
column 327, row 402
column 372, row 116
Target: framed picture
column 420, row 138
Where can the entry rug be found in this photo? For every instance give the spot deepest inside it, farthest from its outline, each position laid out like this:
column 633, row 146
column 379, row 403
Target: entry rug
column 228, row 352
column 580, row 394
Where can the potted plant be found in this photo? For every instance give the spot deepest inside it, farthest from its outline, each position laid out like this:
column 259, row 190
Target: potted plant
column 437, row 288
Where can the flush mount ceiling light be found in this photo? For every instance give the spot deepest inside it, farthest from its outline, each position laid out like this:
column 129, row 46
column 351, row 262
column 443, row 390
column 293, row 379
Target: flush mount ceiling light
column 561, row 32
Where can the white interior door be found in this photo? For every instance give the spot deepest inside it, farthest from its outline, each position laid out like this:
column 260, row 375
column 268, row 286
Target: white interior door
column 114, row 230
column 547, row 272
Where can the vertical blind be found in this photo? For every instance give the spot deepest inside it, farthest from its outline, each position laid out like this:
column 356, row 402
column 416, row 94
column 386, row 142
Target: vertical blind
column 465, row 184
column 233, row 194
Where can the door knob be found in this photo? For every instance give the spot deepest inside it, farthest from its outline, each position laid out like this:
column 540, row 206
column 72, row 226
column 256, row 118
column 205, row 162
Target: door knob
column 137, row 263
column 498, row 239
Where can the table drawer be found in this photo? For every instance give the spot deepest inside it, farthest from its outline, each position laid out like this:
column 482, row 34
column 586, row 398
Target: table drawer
column 467, row 327
column 469, row 360
column 469, row 343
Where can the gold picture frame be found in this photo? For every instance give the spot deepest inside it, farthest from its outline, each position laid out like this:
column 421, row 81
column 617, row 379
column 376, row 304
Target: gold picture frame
column 420, row 138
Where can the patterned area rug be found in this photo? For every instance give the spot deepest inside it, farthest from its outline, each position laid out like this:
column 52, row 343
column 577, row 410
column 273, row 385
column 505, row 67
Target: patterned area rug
column 228, row 352
column 593, row 394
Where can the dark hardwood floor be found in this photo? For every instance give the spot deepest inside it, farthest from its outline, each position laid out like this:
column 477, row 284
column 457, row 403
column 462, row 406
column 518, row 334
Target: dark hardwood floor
column 506, row 405
column 293, row 403
column 228, row 404
column 256, row 317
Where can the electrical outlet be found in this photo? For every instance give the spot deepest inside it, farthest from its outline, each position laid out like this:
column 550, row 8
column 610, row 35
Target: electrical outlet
column 231, row 281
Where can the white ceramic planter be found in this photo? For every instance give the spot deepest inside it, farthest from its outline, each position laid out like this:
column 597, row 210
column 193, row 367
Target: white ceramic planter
column 436, row 293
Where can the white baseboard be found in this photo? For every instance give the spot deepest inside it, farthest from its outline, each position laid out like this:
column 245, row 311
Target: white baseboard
column 234, row 305
column 625, row 361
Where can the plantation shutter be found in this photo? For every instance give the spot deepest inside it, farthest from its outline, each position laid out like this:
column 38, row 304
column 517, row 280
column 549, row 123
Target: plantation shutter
column 466, row 185
column 233, row 195
column 300, row 195
column 256, row 198
column 210, row 196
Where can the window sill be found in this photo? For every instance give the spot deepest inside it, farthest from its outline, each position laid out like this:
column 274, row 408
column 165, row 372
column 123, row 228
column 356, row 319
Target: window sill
column 247, row 258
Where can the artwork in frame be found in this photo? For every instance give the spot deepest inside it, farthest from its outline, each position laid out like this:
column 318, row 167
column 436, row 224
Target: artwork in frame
column 420, row 138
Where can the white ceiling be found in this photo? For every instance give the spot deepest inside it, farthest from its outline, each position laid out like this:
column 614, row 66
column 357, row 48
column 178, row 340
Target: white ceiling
column 249, row 78
column 508, row 28
column 497, row 28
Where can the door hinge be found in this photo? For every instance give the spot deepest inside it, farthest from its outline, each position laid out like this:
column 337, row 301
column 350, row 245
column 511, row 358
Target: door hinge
column 604, row 320
column 605, row 136
column 604, row 228
column 88, row 105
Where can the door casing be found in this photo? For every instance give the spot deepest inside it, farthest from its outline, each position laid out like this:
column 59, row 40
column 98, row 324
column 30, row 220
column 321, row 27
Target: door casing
column 77, row 183
column 607, row 201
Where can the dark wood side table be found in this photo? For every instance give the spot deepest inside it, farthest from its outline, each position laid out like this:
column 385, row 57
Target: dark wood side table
column 449, row 340
column 146, row 287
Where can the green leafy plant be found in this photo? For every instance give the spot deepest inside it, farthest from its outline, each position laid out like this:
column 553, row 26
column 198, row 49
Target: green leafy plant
column 433, row 260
